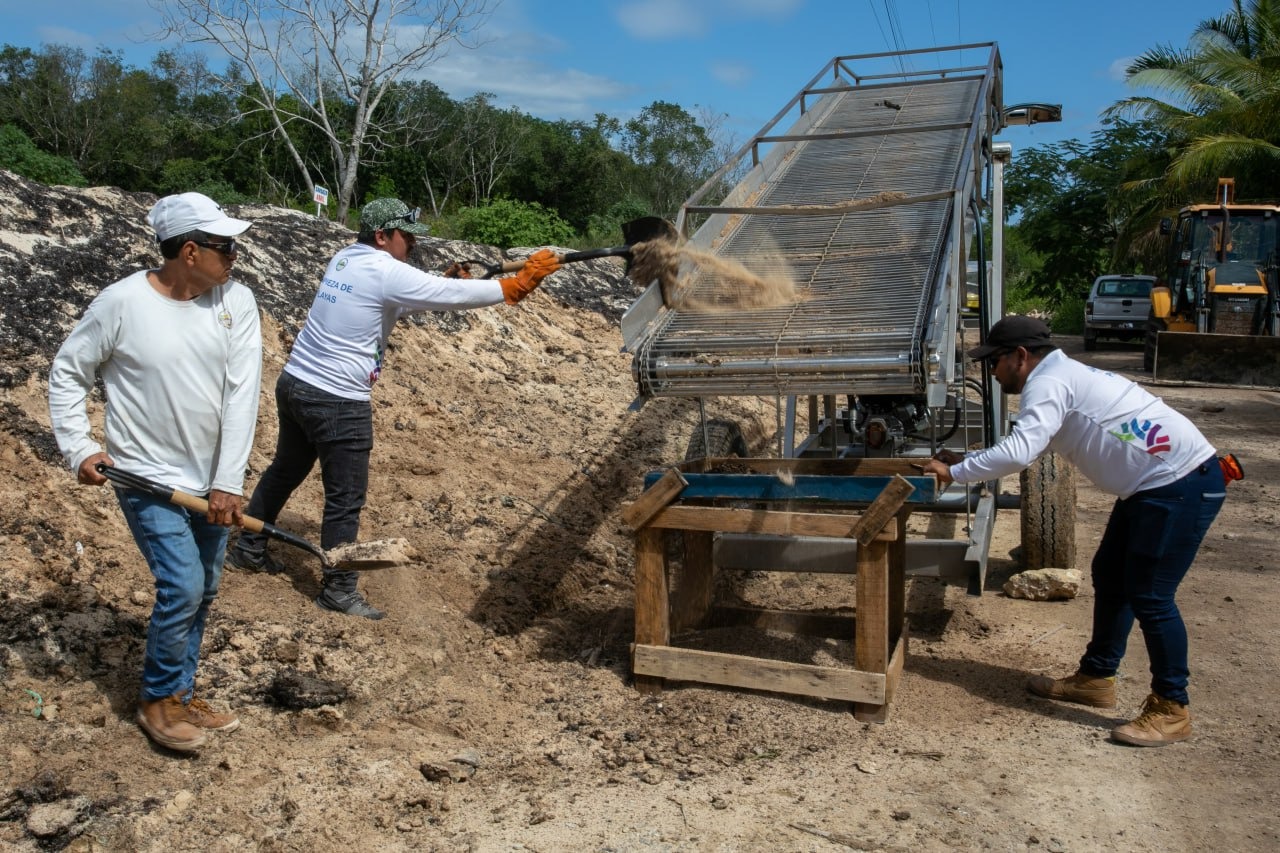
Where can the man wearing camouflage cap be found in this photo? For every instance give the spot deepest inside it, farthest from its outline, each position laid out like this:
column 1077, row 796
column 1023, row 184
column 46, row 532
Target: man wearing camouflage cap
column 323, row 394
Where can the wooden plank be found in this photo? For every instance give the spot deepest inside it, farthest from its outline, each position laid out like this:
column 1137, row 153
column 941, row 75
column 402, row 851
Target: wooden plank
column 897, row 556
column 808, row 466
column 838, row 626
column 846, row 490
column 773, row 522
column 880, row 713
column 694, row 583
column 705, row 667
column 654, row 498
column 652, row 619
column 871, row 632
column 883, row 509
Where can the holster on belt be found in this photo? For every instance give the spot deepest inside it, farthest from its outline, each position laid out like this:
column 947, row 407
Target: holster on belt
column 1231, row 467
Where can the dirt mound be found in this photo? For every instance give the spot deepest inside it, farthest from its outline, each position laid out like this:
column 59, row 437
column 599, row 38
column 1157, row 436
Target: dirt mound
column 492, row 709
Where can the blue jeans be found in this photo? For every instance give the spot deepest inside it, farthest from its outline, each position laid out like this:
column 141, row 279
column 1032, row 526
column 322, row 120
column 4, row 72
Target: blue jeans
column 184, row 552
column 315, row 424
column 1149, row 544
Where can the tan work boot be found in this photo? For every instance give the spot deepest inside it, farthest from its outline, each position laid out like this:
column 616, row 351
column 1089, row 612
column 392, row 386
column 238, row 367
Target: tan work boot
column 199, row 714
column 1161, row 722
column 165, row 722
column 1079, row 688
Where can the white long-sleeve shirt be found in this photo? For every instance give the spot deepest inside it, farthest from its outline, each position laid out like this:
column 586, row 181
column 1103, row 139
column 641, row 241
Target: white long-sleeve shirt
column 181, row 378
column 1121, row 437
column 363, row 292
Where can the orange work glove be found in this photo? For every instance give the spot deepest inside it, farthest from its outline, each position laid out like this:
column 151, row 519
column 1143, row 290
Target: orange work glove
column 458, row 270
column 541, row 264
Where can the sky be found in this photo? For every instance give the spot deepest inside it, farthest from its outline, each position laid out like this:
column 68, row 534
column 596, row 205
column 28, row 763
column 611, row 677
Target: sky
column 743, row 59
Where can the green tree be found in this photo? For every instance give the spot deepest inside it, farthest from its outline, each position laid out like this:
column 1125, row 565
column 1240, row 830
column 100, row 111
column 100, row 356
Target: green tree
column 1221, row 103
column 20, row 155
column 326, row 66
column 1070, row 211
column 674, row 155
column 506, row 223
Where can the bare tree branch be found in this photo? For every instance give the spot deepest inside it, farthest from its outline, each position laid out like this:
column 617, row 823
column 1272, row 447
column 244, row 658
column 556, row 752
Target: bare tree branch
column 327, row 65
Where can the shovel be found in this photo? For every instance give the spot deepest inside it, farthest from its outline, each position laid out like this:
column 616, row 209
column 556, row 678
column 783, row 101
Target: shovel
column 355, row 556
column 646, row 229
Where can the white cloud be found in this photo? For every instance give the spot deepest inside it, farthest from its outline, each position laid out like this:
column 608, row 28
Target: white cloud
column 540, row 90
column 732, row 73
column 662, row 19
column 1117, row 68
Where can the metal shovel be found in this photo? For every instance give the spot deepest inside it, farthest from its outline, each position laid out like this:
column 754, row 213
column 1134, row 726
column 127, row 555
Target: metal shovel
column 643, row 230
column 355, row 556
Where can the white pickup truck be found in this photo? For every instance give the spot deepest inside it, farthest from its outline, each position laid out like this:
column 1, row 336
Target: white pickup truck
column 1117, row 307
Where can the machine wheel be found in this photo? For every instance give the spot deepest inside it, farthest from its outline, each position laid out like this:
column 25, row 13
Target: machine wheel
column 1154, row 327
column 1090, row 341
column 1049, row 513
column 723, row 438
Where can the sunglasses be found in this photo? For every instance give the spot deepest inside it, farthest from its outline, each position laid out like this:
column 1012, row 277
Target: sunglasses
column 408, row 218
column 228, row 248
column 994, row 359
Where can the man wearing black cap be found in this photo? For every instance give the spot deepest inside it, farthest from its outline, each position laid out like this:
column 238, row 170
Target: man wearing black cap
column 1169, row 486
column 323, row 395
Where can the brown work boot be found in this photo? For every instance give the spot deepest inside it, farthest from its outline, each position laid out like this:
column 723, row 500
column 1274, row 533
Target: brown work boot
column 1162, row 722
column 199, row 714
column 165, row 722
column 1079, row 688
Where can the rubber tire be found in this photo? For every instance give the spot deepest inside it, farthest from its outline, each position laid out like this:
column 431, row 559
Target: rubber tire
column 1154, row 327
column 1049, row 513
column 725, row 440
column 1090, row 341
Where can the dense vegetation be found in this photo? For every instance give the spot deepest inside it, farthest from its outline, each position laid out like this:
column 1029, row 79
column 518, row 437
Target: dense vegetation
column 68, row 117
column 486, row 174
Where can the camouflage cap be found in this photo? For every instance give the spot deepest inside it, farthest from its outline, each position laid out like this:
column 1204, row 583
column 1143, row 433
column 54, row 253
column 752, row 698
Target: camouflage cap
column 384, row 213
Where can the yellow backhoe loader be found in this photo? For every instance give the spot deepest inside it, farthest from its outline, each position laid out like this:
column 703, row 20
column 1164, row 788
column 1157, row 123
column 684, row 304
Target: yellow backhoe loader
column 1215, row 315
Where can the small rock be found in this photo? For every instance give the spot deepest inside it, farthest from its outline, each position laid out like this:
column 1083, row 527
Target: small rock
column 901, row 815
column 139, row 597
column 470, row 757
column 50, row 820
column 1044, row 585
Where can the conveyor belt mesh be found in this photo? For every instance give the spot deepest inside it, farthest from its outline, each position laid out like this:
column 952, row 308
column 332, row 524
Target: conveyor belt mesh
column 867, row 276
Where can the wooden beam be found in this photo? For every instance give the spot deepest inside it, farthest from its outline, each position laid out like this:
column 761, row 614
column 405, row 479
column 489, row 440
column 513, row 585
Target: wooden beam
column 653, row 624
column 871, row 632
column 883, row 509
column 880, row 714
column 774, row 522
column 804, row 467
column 653, row 499
column 757, row 674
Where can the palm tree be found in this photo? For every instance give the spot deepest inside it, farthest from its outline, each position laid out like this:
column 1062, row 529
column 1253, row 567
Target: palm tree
column 1221, row 110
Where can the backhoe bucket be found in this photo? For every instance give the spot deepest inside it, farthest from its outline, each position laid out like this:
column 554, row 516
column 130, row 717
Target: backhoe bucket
column 1202, row 358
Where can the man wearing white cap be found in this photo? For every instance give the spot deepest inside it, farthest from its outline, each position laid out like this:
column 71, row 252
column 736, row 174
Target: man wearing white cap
column 180, row 352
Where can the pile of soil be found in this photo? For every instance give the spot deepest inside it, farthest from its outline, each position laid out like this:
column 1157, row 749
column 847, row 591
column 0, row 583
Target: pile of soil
column 493, row 708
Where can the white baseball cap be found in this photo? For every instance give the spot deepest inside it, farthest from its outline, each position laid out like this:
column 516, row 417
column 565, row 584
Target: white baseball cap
column 186, row 212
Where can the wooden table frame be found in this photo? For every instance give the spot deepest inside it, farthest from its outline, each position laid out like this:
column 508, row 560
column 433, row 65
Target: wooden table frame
column 877, row 627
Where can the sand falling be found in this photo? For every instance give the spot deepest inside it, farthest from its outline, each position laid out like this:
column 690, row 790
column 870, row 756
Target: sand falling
column 721, row 284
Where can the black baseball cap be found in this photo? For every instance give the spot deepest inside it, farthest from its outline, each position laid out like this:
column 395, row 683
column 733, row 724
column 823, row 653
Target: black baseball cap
column 1013, row 332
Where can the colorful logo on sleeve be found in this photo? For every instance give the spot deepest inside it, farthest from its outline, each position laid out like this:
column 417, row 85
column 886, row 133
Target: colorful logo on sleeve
column 377, row 367
column 1147, row 433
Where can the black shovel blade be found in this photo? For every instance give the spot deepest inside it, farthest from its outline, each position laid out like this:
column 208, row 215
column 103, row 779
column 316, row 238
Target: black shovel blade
column 646, row 229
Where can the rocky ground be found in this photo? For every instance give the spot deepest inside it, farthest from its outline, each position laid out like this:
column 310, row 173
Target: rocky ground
column 493, row 708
